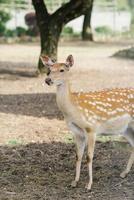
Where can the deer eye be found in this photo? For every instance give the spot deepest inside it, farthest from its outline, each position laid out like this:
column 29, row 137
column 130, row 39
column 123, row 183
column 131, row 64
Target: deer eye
column 62, row 70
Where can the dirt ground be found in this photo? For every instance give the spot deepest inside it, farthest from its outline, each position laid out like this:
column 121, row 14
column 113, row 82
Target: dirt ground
column 37, row 154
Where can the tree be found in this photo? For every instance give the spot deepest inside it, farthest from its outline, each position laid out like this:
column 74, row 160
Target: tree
column 4, row 17
column 50, row 25
column 31, row 22
column 87, row 29
column 131, row 6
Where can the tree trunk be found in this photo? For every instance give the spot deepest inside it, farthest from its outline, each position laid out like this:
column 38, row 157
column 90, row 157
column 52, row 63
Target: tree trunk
column 87, row 30
column 50, row 26
column 49, row 45
column 50, row 35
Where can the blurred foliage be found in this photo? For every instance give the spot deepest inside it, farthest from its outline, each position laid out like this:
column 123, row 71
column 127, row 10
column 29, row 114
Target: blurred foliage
column 68, row 33
column 4, row 17
column 31, row 33
column 10, row 33
column 129, row 34
column 67, row 30
column 14, row 1
column 30, row 20
column 119, row 4
column 122, row 5
column 4, row 1
column 19, row 1
column 103, row 30
column 20, row 31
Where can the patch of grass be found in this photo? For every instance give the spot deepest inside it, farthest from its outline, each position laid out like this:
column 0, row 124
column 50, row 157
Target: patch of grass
column 103, row 138
column 68, row 138
column 14, row 142
column 117, row 141
column 107, row 138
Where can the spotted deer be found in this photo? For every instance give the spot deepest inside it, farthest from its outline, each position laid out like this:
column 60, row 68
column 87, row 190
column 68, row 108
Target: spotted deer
column 108, row 111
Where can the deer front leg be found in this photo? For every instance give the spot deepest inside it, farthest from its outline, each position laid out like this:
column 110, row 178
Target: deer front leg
column 80, row 140
column 80, row 146
column 129, row 135
column 129, row 165
column 91, row 144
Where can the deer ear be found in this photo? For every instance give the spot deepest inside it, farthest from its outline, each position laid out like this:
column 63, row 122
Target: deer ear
column 46, row 61
column 70, row 61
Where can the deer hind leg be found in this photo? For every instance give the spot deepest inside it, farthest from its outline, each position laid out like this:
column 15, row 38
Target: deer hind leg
column 80, row 140
column 129, row 135
column 90, row 153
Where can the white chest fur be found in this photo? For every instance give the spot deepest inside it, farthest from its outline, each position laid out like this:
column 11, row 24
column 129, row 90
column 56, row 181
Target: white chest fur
column 70, row 112
column 63, row 99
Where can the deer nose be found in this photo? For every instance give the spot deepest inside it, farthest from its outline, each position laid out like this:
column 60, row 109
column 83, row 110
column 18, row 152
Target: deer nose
column 48, row 81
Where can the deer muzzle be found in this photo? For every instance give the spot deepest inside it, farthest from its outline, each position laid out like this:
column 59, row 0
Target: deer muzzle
column 48, row 81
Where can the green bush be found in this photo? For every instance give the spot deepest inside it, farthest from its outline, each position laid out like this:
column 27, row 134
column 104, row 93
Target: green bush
column 20, row 31
column 10, row 33
column 31, row 33
column 2, row 29
column 4, row 17
column 103, row 30
column 67, row 30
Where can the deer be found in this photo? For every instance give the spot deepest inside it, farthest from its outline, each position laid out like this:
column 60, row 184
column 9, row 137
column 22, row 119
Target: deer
column 87, row 114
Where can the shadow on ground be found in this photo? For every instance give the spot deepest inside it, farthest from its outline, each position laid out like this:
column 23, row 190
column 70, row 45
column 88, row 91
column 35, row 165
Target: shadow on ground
column 36, row 105
column 18, row 69
column 44, row 171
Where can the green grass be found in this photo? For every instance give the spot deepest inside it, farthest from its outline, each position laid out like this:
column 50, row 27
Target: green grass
column 14, row 142
column 68, row 138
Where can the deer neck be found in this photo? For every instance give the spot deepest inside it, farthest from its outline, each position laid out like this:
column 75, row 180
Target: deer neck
column 64, row 97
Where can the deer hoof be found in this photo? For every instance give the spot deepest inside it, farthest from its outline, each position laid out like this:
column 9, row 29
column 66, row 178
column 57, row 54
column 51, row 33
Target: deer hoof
column 74, row 184
column 88, row 186
column 123, row 174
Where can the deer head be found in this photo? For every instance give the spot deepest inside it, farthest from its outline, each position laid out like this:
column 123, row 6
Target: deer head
column 57, row 72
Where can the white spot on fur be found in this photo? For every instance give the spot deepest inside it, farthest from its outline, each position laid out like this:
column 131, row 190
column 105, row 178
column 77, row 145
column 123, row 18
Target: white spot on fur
column 120, row 109
column 92, row 103
column 108, row 99
column 131, row 96
column 101, row 109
